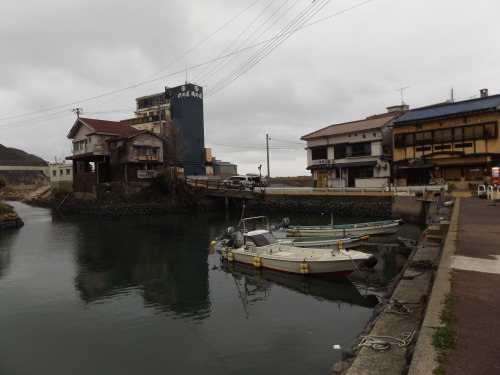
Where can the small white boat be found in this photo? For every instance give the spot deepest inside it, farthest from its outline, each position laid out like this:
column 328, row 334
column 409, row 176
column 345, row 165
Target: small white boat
column 325, row 242
column 262, row 250
column 370, row 228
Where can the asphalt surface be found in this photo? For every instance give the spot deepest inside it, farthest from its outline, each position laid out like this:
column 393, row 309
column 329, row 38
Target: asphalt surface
column 475, row 287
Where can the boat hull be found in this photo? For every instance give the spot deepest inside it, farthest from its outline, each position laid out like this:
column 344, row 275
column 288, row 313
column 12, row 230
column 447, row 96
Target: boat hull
column 290, row 260
column 343, row 230
column 323, row 242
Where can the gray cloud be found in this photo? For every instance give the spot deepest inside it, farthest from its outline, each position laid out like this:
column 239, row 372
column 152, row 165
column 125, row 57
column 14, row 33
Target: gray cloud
column 58, row 54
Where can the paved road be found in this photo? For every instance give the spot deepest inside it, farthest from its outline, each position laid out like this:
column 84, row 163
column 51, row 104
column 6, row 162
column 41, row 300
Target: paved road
column 476, row 290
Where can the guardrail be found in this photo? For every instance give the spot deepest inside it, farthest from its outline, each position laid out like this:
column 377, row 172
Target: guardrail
column 215, row 183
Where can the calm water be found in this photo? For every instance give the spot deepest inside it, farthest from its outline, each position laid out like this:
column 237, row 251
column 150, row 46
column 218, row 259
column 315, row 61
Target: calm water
column 147, row 295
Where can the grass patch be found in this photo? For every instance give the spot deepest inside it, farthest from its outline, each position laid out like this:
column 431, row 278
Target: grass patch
column 444, row 339
column 4, row 209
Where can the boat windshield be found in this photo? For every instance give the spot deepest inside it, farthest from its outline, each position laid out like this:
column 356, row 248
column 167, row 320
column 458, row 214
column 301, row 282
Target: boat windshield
column 261, row 239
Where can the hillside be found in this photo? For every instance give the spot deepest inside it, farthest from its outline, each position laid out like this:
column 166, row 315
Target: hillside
column 299, row 181
column 12, row 156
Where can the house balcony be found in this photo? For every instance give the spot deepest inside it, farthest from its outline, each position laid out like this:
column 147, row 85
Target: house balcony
column 147, row 157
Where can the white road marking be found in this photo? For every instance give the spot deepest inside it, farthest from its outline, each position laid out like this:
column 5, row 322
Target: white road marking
column 476, row 264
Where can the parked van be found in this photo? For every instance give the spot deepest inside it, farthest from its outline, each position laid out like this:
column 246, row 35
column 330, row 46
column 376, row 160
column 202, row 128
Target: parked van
column 256, row 178
column 239, row 182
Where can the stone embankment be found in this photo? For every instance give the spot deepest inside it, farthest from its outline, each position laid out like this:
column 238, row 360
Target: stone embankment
column 123, row 208
column 347, row 207
column 11, row 220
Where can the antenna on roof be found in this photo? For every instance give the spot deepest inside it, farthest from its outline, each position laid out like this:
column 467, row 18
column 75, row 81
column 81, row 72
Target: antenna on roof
column 77, row 111
column 401, row 90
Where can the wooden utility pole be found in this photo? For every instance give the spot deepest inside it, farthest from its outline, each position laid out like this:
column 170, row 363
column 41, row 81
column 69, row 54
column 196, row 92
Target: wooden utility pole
column 77, row 111
column 267, row 147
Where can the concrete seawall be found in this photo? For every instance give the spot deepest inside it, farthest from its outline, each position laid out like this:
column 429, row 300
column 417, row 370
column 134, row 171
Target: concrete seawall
column 411, row 209
column 387, row 343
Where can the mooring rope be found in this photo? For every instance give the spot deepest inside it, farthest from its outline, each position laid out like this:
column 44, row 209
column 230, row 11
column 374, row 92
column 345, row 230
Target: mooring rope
column 378, row 344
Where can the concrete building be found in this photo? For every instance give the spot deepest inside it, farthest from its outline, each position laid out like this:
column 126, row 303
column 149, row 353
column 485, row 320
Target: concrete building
column 107, row 151
column 61, row 176
column 453, row 142
column 353, row 154
column 177, row 116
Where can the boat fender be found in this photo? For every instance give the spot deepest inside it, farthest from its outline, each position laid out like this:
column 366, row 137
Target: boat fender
column 230, row 257
column 256, row 262
column 341, row 244
column 304, row 268
column 371, row 262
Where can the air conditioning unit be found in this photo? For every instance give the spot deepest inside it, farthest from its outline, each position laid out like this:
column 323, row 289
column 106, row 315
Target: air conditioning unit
column 330, row 161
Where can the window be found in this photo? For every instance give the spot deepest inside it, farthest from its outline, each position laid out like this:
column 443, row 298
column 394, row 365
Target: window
column 359, row 149
column 54, row 173
column 404, row 140
column 318, row 153
column 443, row 135
column 60, row 172
column 147, row 151
column 68, row 171
column 80, row 145
column 490, row 130
column 474, row 173
column 423, row 138
column 339, row 151
column 452, row 174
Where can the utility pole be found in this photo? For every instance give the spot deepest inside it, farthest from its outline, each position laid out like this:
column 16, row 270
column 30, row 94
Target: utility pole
column 267, row 148
column 77, row 111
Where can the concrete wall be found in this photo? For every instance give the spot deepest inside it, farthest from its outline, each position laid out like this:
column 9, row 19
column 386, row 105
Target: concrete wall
column 413, row 209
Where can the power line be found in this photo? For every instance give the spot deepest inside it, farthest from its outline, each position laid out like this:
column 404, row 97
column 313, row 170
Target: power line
column 251, row 147
column 191, row 68
column 275, row 42
column 278, row 140
column 222, row 64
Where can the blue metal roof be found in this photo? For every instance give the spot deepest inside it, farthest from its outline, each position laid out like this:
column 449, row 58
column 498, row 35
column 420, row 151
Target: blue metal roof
column 489, row 103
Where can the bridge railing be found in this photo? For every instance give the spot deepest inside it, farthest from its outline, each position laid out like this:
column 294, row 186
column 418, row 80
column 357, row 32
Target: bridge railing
column 210, row 182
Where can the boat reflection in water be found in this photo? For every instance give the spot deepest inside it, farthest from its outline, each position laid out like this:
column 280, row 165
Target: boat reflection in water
column 255, row 284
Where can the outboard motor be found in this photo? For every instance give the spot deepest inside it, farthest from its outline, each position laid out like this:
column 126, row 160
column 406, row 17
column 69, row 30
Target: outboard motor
column 284, row 224
column 235, row 240
column 227, row 234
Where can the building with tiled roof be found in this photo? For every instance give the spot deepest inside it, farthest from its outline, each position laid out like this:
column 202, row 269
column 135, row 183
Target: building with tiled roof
column 453, row 143
column 353, row 154
column 107, row 151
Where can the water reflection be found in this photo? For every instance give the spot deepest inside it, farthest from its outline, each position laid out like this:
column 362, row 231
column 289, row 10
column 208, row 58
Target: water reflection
column 151, row 298
column 6, row 239
column 255, row 285
column 155, row 256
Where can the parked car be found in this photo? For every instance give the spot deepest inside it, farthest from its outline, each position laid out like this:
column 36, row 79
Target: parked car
column 255, row 177
column 239, row 182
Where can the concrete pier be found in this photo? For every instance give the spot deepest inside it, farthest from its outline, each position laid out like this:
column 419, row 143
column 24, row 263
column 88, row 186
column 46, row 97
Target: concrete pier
column 457, row 256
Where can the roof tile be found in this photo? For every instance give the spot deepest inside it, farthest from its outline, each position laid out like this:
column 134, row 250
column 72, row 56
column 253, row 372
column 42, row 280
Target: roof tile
column 489, row 103
column 370, row 123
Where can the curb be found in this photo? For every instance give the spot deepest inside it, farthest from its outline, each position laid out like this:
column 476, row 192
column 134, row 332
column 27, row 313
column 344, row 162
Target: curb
column 424, row 359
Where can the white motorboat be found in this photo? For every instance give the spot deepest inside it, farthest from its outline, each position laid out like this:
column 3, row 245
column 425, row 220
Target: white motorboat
column 319, row 242
column 262, row 250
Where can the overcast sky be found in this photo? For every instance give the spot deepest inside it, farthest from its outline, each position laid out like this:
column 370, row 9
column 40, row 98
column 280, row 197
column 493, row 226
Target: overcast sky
column 279, row 67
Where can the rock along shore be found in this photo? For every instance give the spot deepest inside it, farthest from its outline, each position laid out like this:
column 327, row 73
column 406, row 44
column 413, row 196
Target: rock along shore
column 11, row 220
